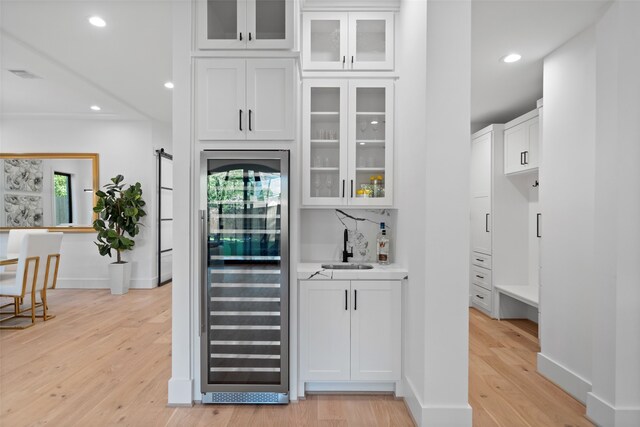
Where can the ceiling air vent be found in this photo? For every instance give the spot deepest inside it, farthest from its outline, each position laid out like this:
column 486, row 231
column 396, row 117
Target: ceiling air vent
column 24, row 74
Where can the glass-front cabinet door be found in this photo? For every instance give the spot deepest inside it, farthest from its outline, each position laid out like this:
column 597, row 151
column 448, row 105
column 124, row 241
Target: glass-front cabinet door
column 370, row 150
column 222, row 24
column 325, row 41
column 371, row 41
column 348, row 41
column 348, row 142
column 269, row 24
column 245, row 24
column 324, row 139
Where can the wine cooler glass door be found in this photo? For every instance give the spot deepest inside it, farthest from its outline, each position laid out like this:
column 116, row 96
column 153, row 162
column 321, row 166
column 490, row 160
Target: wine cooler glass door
column 245, row 273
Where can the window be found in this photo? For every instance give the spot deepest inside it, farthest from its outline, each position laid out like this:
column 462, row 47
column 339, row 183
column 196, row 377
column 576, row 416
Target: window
column 62, row 193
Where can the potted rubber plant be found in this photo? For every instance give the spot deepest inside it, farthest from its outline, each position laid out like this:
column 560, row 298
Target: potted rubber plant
column 119, row 212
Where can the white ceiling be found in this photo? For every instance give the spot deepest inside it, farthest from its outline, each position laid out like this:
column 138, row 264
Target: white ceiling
column 499, row 91
column 123, row 66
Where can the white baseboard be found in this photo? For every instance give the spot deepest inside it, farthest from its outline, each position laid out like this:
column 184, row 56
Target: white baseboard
column 102, row 283
column 435, row 416
column 346, row 387
column 567, row 380
column 603, row 414
column 180, row 392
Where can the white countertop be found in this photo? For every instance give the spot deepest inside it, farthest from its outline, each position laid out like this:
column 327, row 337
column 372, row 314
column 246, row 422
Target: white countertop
column 314, row 271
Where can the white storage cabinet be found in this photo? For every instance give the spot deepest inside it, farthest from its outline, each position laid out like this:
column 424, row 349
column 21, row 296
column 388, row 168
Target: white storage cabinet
column 244, row 24
column 348, row 41
column 347, row 139
column 350, row 330
column 245, row 99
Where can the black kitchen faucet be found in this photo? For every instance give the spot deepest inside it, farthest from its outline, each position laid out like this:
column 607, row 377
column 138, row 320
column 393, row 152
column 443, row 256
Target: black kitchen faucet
column 345, row 254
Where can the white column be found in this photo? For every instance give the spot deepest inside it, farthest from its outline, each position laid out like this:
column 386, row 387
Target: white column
column 446, row 181
column 181, row 382
column 615, row 397
column 433, row 119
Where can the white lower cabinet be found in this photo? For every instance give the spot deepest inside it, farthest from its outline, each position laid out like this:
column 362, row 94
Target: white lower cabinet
column 350, row 330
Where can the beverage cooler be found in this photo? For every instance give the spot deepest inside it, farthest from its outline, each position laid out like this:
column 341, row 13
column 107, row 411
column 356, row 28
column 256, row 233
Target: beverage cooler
column 244, row 330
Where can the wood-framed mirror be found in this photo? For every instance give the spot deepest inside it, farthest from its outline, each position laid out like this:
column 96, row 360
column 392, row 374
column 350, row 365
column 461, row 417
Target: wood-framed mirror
column 55, row 191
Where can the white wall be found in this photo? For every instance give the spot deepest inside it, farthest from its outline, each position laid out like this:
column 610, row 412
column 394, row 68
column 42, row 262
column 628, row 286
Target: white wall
column 125, row 147
column 567, row 203
column 615, row 396
column 433, row 216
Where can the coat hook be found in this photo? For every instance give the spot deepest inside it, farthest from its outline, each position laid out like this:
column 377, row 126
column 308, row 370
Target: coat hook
column 537, row 184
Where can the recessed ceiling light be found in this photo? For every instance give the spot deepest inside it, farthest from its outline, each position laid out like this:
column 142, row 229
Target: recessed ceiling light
column 95, row 108
column 168, row 85
column 374, row 122
column 96, row 21
column 362, row 143
column 512, row 57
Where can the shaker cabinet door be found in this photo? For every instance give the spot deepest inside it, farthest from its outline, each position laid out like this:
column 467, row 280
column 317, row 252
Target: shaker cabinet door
column 481, row 224
column 220, row 99
column 270, row 99
column 325, row 317
column 521, row 147
column 375, row 330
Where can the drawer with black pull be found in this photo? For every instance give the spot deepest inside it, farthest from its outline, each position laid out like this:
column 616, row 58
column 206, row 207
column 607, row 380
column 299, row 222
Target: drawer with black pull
column 481, row 297
column 481, row 260
column 481, row 277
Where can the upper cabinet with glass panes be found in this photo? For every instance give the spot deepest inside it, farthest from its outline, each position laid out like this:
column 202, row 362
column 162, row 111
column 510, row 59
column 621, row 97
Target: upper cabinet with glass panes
column 348, row 41
column 244, row 24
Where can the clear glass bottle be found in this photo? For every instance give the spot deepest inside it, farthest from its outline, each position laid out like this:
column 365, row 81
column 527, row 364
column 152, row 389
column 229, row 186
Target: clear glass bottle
column 382, row 246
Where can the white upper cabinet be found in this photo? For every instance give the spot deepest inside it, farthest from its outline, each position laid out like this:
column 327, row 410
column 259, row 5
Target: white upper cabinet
column 521, row 138
column 481, row 166
column 348, row 41
column 270, row 99
column 348, row 142
column 325, row 41
column 245, row 24
column 220, row 98
column 244, row 99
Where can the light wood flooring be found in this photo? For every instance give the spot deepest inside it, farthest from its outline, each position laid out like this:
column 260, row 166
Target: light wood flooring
column 105, row 360
column 504, row 387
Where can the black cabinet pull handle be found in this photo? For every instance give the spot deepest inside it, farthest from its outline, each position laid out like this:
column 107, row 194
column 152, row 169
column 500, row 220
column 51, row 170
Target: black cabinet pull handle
column 240, row 120
column 526, row 157
column 240, row 36
column 352, row 59
column 478, row 296
column 250, row 121
column 249, row 36
column 351, row 188
column 346, row 297
column 486, row 223
column 479, row 277
column 343, row 182
column 538, row 225
column 344, row 59
column 479, row 260
column 355, row 299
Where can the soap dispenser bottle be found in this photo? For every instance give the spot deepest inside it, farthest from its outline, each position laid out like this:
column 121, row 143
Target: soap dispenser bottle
column 382, row 245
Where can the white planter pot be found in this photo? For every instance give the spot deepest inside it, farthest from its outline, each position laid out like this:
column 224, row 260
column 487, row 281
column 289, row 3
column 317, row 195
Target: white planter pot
column 119, row 276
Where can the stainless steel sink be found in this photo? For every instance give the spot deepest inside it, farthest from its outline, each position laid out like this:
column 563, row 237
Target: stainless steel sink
column 347, row 266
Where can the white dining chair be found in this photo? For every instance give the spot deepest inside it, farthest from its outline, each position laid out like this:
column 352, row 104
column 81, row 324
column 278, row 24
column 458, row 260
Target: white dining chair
column 37, row 269
column 14, row 241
